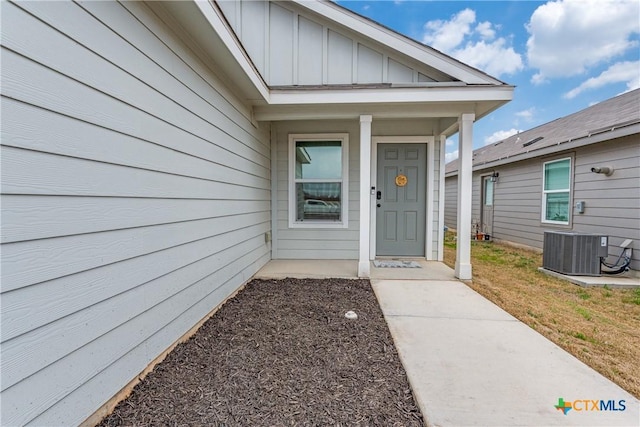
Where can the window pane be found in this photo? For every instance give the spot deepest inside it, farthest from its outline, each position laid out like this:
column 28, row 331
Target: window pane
column 556, row 175
column 557, row 207
column 318, row 160
column 319, row 201
column 488, row 192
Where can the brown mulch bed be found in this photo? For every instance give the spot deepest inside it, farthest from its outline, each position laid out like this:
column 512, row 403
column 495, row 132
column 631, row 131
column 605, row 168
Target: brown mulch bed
column 280, row 353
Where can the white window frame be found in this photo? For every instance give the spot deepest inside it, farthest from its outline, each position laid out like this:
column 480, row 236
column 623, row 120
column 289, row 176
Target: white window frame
column 344, row 204
column 545, row 192
column 485, row 183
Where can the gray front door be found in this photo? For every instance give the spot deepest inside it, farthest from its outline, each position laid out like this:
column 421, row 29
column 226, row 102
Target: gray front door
column 400, row 212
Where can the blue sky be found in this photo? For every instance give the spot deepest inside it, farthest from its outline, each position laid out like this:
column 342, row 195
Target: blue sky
column 562, row 56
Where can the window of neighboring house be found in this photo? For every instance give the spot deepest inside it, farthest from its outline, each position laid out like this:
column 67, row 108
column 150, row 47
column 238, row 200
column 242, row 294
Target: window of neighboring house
column 488, row 191
column 556, row 197
column 318, row 189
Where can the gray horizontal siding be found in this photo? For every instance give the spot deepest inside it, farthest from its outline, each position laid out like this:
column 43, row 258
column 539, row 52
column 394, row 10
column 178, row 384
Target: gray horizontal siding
column 475, row 201
column 451, row 202
column 28, row 217
column 135, row 198
column 612, row 204
column 317, row 253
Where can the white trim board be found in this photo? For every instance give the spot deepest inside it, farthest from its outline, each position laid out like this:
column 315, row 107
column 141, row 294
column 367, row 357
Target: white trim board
column 291, row 203
column 441, row 201
column 451, row 94
column 218, row 23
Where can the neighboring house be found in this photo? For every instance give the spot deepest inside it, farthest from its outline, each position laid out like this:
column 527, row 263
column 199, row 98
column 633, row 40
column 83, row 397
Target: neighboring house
column 544, row 179
column 156, row 155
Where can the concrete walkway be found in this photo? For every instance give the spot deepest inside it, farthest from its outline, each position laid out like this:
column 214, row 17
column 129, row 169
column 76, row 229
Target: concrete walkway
column 470, row 363
column 616, row 282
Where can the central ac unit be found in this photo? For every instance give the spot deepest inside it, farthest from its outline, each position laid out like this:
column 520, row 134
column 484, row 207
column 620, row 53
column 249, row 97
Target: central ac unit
column 575, row 254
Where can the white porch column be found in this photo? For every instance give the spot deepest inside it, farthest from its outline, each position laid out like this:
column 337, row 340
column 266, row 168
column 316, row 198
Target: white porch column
column 465, row 174
column 365, row 195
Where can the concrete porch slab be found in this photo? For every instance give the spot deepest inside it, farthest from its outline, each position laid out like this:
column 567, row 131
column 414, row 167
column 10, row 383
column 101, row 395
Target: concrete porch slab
column 311, row 269
column 348, row 269
column 430, row 270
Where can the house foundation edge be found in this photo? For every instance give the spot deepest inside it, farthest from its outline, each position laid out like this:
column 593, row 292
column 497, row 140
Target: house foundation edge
column 108, row 407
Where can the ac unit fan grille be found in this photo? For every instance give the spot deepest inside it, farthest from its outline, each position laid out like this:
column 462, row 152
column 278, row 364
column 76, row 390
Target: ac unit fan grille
column 574, row 253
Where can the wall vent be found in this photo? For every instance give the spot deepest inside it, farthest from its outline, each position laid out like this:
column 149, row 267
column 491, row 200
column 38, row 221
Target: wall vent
column 533, row 141
column 575, row 254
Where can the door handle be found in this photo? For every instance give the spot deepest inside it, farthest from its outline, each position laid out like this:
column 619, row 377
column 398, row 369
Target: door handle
column 379, row 195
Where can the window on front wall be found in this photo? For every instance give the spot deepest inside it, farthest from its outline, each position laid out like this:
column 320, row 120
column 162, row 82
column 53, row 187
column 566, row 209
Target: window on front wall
column 318, row 180
column 556, row 197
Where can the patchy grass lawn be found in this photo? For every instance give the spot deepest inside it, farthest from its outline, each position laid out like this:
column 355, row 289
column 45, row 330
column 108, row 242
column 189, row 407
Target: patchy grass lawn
column 600, row 326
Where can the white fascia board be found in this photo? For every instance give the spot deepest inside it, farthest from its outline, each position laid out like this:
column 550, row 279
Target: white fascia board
column 393, row 95
column 423, row 110
column 427, row 56
column 214, row 16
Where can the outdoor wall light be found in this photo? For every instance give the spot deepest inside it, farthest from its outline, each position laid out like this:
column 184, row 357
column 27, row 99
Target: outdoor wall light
column 494, row 176
column 606, row 170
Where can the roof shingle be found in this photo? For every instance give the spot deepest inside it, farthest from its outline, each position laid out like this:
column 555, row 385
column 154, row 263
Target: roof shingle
column 620, row 111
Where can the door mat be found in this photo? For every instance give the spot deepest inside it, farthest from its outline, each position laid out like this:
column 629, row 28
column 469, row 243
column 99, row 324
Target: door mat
column 396, row 264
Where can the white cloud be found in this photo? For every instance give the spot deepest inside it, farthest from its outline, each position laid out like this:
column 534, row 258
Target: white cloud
column 450, row 156
column 567, row 37
column 500, row 135
column 538, row 79
column 633, row 84
column 476, row 46
column 486, row 31
column 527, row 114
column 494, row 58
column 627, row 72
column 450, row 142
column 446, row 35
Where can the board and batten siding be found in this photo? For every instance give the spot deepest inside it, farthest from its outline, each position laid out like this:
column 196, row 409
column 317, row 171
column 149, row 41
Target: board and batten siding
column 338, row 243
column 612, row 204
column 290, row 46
column 135, row 199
